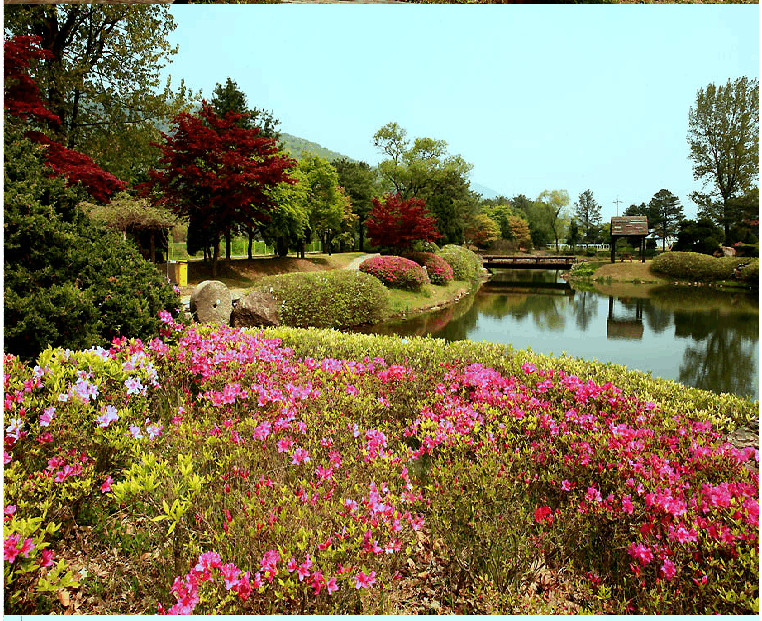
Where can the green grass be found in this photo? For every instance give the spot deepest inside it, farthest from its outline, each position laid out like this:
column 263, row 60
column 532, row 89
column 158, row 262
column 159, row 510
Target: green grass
column 431, row 295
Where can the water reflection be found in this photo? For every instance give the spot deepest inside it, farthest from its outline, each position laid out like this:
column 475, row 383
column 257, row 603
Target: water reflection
column 698, row 336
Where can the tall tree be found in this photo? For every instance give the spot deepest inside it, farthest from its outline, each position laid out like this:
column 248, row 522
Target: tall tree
column 665, row 213
column 482, row 230
column 230, row 98
column 217, row 173
column 395, row 223
column 326, row 200
column 723, row 135
column 101, row 78
column 588, row 214
column 552, row 204
column 423, row 169
column 359, row 181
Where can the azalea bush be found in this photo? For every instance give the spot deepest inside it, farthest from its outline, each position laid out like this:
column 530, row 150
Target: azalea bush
column 705, row 268
column 438, row 270
column 396, row 272
column 466, row 265
column 337, row 299
column 309, row 471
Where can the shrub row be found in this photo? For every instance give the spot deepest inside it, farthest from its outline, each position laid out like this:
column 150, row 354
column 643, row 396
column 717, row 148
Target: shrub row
column 439, row 270
column 702, row 267
column 466, row 265
column 335, row 299
column 396, row 272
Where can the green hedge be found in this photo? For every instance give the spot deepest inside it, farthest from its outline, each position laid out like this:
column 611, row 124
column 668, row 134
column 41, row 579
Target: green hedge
column 339, row 299
column 466, row 265
column 704, row 268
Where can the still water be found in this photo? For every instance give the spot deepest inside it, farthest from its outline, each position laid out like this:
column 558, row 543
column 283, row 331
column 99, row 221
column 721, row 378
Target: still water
column 698, row 336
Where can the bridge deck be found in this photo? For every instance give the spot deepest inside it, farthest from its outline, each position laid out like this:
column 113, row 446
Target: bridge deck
column 528, row 262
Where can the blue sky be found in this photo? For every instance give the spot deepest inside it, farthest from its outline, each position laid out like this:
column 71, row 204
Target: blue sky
column 535, row 97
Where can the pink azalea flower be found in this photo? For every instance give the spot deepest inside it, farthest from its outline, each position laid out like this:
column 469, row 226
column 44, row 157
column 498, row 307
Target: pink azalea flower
column 303, row 570
column 284, row 444
column 10, row 549
column 365, row 582
column 7, row 457
column 47, row 416
column 243, row 586
column 109, row 415
column 317, row 582
column 106, row 487
column 154, row 431
column 292, row 565
column 641, row 553
column 230, row 575
column 299, row 456
column 668, row 569
column 331, row 586
column 47, row 558
column 134, row 432
column 565, row 485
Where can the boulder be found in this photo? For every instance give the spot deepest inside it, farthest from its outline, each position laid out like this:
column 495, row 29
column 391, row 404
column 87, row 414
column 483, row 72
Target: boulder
column 259, row 308
column 744, row 437
column 211, row 303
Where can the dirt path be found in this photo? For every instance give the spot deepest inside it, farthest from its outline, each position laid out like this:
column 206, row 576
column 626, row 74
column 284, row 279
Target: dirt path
column 355, row 265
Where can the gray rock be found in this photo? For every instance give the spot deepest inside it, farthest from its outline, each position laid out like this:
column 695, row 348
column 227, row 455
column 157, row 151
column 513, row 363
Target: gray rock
column 259, row 308
column 211, row 303
column 745, row 436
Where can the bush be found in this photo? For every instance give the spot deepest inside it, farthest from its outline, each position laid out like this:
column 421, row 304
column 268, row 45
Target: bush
column 439, row 270
column 69, row 282
column 396, row 272
column 337, row 299
column 701, row 267
column 466, row 265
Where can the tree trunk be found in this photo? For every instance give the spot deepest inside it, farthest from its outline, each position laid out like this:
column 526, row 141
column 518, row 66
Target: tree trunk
column 250, row 231
column 152, row 248
column 227, row 244
column 282, row 247
column 215, row 258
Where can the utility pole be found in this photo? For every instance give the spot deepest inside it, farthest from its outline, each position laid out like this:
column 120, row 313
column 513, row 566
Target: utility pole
column 617, row 201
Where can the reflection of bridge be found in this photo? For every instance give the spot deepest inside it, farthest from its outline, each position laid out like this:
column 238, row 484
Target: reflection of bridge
column 526, row 262
column 536, row 288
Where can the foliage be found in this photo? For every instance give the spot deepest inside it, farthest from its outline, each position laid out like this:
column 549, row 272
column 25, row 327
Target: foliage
column 338, row 299
column 425, row 170
column 299, row 148
column 396, row 272
column 359, row 182
column 56, row 293
column 723, row 135
column 701, row 267
column 702, row 236
column 126, row 212
column 230, row 98
column 588, row 214
column 665, row 214
column 396, row 223
column 297, row 471
column 216, row 174
column 101, row 78
column 438, row 270
column 551, row 205
column 465, row 264
column 328, row 206
column 481, row 230
column 28, row 111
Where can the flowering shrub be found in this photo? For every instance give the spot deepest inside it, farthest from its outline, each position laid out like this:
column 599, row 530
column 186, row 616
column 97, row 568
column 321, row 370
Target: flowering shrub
column 291, row 471
column 396, row 272
column 466, row 265
column 438, row 270
column 702, row 267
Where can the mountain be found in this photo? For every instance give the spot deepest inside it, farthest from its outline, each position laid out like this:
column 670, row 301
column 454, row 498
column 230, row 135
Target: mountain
column 296, row 146
column 484, row 190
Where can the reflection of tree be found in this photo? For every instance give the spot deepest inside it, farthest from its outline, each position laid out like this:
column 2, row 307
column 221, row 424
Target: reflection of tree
column 585, row 308
column 723, row 359
column 658, row 319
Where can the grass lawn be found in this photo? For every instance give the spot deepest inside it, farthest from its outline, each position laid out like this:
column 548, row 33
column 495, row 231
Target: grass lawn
column 402, row 302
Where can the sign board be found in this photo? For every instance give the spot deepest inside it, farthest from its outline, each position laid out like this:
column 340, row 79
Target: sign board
column 629, row 225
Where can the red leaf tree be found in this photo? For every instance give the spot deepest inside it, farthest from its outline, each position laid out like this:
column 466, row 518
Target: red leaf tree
column 217, row 174
column 22, row 101
column 395, row 223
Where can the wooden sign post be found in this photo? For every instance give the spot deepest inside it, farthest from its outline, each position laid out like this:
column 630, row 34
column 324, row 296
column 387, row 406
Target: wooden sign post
column 629, row 226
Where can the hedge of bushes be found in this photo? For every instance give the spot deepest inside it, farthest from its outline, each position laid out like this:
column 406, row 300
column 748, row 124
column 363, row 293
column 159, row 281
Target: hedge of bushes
column 396, row 272
column 466, row 265
column 335, row 299
column 439, row 270
column 705, row 268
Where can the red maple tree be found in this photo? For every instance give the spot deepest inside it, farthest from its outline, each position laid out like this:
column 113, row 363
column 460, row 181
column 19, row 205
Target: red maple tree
column 396, row 223
column 217, row 173
column 22, row 101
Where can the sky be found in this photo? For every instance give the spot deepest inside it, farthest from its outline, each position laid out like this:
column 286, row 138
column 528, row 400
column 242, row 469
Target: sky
column 534, row 97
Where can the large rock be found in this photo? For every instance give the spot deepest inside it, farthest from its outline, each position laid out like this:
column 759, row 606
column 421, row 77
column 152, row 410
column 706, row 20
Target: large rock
column 259, row 308
column 211, row 303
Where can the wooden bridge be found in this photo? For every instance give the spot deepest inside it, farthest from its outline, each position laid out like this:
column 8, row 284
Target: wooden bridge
column 528, row 262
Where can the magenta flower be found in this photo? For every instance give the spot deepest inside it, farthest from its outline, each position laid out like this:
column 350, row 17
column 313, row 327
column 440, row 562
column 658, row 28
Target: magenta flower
column 109, row 415
column 9, row 511
column 243, row 586
column 300, row 456
column 47, row 416
column 106, row 487
column 230, row 575
column 292, row 565
column 318, row 582
column 668, row 569
column 6, row 457
column 284, row 444
column 593, row 495
column 640, row 553
column 154, row 431
column 365, row 582
column 331, row 586
column 627, row 505
column 303, row 570
column 47, row 558
column 10, row 549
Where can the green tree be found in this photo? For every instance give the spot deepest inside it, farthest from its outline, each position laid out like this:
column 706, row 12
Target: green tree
column 552, row 205
column 102, row 80
column 482, row 231
column 287, row 223
column 588, row 213
column 573, row 236
column 326, row 201
column 359, row 181
column 500, row 212
column 702, row 236
column 723, row 135
column 519, row 232
column 425, row 170
column 665, row 213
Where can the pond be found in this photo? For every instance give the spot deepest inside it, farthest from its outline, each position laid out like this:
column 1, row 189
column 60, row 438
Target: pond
column 699, row 336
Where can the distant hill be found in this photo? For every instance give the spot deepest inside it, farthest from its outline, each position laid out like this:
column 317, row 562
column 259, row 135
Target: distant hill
column 484, row 190
column 296, row 146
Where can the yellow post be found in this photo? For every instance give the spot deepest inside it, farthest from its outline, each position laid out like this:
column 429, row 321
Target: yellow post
column 182, row 273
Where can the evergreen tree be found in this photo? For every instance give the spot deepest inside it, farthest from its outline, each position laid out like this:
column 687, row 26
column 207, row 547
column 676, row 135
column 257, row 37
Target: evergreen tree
column 665, row 213
column 588, row 215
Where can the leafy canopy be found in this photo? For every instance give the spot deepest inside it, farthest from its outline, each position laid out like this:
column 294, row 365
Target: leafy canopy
column 395, row 223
